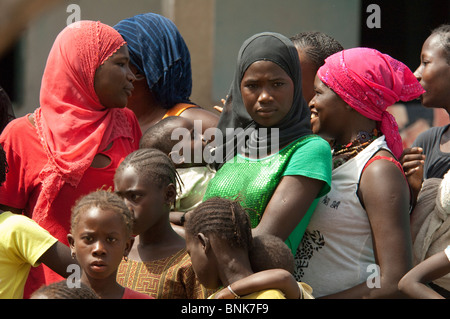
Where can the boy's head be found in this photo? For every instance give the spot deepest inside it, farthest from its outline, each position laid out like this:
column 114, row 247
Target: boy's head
column 270, row 252
column 177, row 137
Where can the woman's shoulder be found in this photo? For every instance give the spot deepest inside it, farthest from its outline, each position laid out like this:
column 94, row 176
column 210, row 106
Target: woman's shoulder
column 22, row 124
column 20, row 135
column 312, row 145
column 312, row 140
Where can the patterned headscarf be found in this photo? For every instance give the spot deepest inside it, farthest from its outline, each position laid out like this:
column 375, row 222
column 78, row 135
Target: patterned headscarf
column 71, row 123
column 159, row 52
column 370, row 81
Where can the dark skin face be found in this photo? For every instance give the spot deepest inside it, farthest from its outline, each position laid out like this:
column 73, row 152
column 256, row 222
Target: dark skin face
column 149, row 203
column 267, row 92
column 433, row 74
column 149, row 111
column 309, row 70
column 331, row 112
column 113, row 81
column 100, row 240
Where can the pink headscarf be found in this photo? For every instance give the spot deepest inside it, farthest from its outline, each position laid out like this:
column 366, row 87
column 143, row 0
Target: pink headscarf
column 71, row 123
column 370, row 81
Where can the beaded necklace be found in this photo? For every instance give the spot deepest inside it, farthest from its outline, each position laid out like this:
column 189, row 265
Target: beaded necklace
column 343, row 153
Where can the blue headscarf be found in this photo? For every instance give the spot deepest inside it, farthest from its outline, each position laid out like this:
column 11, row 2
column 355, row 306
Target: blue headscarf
column 159, row 52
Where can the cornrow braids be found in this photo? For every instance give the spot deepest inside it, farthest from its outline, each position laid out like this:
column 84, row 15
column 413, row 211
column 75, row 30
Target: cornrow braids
column 103, row 199
column 151, row 164
column 317, row 46
column 224, row 218
column 60, row 290
column 444, row 33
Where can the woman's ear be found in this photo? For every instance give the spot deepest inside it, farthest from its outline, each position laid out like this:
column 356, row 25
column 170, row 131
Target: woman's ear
column 170, row 194
column 71, row 241
column 205, row 242
column 128, row 246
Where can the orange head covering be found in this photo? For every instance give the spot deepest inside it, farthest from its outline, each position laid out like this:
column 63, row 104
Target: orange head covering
column 71, row 123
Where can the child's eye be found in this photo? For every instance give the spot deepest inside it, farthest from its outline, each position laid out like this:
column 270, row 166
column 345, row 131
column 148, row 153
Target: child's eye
column 111, row 239
column 87, row 238
column 134, row 197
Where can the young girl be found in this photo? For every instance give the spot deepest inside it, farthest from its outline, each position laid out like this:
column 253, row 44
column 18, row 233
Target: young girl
column 273, row 264
column 99, row 238
column 158, row 263
column 218, row 239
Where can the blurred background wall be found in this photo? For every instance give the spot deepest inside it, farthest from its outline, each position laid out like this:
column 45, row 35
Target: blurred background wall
column 214, row 31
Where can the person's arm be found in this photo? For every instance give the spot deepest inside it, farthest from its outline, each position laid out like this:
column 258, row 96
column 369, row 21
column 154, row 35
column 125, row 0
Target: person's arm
column 57, row 258
column 268, row 279
column 414, row 283
column 208, row 118
column 385, row 195
column 413, row 160
column 288, row 205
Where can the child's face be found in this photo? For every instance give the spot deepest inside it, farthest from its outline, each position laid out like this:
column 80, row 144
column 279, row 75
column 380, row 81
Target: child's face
column 149, row 203
column 191, row 145
column 199, row 249
column 100, row 240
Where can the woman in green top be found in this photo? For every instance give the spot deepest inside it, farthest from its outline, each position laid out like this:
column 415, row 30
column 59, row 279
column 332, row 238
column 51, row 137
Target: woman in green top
column 271, row 160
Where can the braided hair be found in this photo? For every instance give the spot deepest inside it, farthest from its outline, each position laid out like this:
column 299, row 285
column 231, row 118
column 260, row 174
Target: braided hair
column 60, row 290
column 151, row 164
column 316, row 45
column 103, row 199
column 444, row 33
column 224, row 218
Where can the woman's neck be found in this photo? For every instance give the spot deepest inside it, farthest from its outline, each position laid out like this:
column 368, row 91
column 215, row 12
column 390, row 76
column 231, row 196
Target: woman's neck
column 234, row 265
column 147, row 109
column 354, row 129
column 156, row 243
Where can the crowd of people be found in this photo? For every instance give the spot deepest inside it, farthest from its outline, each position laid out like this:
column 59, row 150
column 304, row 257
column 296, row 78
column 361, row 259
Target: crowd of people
column 303, row 191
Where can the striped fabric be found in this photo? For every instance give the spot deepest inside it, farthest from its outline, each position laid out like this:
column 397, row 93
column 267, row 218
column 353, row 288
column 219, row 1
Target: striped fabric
column 159, row 52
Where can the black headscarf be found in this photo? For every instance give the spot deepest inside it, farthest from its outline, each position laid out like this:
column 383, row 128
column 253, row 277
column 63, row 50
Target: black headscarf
column 267, row 46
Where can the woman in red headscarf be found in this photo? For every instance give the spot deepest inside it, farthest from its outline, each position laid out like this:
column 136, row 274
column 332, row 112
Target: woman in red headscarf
column 358, row 243
column 72, row 144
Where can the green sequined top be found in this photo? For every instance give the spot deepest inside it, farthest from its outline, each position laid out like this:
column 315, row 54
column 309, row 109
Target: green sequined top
column 254, row 181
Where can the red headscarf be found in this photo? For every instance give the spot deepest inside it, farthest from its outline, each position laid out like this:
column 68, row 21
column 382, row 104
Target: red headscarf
column 370, row 81
column 71, row 123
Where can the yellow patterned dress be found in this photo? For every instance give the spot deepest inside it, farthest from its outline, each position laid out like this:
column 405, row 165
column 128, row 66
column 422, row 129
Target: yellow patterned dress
column 169, row 278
